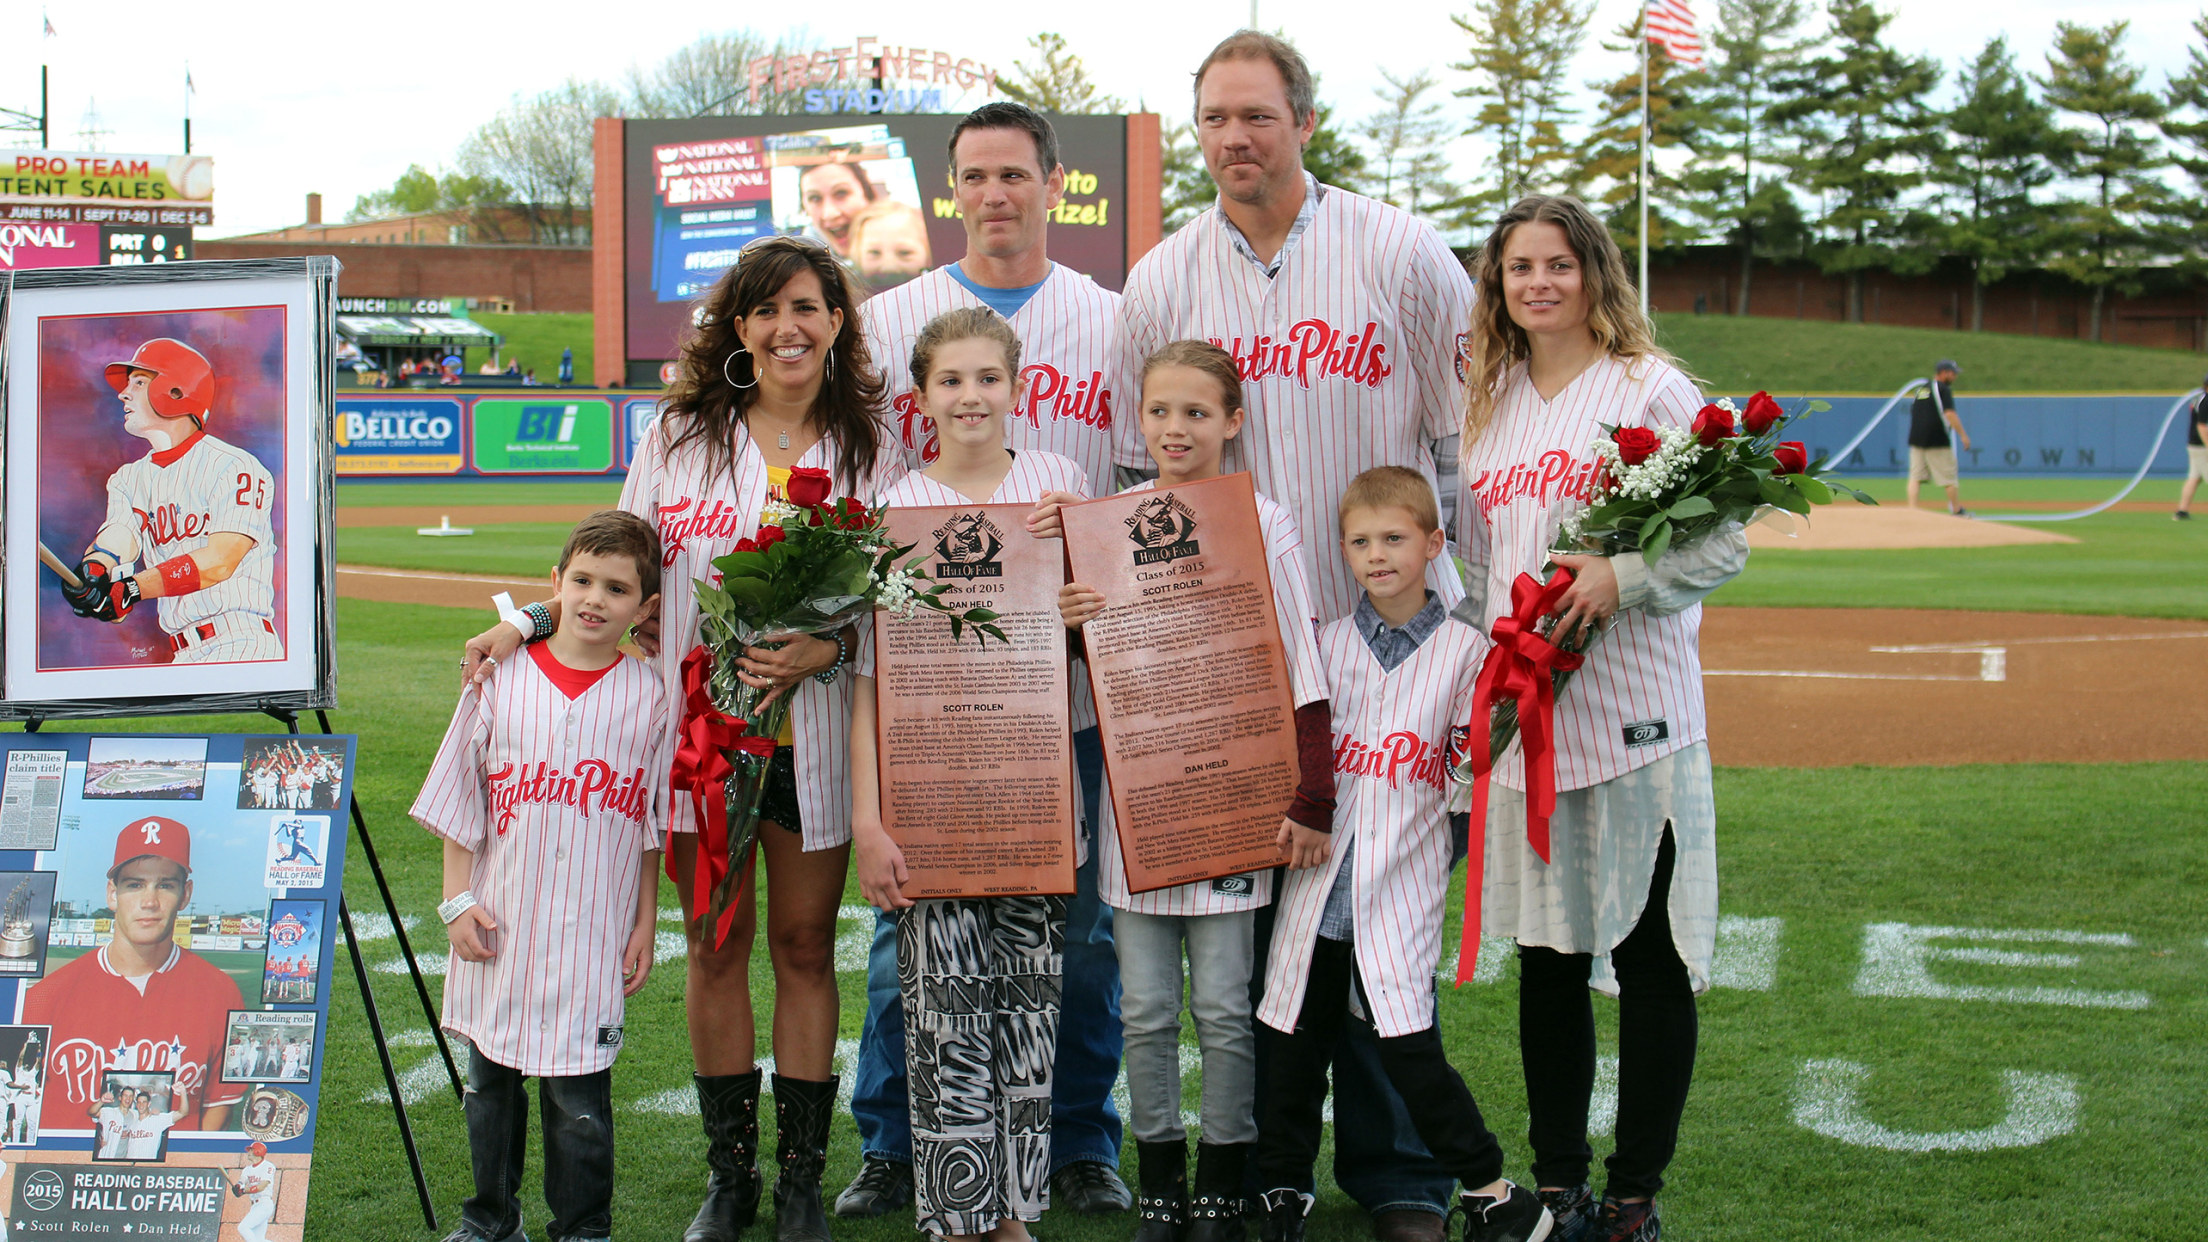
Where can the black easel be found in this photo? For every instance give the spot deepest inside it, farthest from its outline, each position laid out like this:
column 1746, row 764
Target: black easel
column 290, row 720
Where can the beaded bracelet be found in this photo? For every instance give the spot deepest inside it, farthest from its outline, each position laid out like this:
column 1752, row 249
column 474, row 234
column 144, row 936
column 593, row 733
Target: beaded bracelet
column 843, row 657
column 540, row 622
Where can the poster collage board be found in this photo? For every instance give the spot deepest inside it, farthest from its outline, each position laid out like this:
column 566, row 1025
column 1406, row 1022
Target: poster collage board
column 168, row 927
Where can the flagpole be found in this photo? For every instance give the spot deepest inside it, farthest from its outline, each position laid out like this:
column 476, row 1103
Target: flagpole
column 187, row 107
column 1644, row 157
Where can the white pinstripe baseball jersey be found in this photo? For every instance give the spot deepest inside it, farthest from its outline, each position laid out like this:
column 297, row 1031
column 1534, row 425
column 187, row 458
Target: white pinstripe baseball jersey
column 1639, row 695
column 1065, row 332
column 174, row 499
column 1392, row 733
column 1296, row 615
column 700, row 515
column 558, row 799
column 1351, row 357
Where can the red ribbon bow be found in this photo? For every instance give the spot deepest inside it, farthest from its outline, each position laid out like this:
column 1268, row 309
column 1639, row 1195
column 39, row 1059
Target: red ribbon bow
column 700, row 767
column 1520, row 668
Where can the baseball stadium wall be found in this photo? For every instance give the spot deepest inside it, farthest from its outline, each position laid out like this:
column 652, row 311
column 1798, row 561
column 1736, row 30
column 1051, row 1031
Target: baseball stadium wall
column 2169, row 312
column 534, row 278
column 570, row 433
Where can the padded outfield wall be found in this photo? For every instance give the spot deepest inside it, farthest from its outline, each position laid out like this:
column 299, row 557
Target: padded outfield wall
column 571, row 432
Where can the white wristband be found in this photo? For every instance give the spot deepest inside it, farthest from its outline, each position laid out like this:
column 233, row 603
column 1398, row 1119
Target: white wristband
column 513, row 616
column 455, row 907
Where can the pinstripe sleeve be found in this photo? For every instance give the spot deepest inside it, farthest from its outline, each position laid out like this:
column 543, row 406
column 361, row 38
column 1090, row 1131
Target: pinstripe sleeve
column 640, row 490
column 455, row 801
column 1138, row 337
column 1437, row 308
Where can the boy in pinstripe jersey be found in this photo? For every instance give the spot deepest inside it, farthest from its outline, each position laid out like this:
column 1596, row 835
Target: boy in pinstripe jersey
column 548, row 792
column 1360, row 925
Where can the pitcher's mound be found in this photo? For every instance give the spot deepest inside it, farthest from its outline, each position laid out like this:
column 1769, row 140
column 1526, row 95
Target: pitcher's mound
column 1846, row 524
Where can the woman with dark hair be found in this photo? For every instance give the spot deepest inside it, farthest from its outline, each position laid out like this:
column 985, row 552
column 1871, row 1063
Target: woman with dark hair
column 775, row 377
column 1558, row 351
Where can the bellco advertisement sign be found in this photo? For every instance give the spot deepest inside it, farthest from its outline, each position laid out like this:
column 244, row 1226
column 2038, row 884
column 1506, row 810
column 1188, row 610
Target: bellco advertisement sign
column 398, row 436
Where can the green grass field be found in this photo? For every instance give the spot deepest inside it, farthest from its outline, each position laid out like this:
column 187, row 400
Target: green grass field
column 1826, row 853
column 1729, row 353
column 536, row 341
column 1827, row 875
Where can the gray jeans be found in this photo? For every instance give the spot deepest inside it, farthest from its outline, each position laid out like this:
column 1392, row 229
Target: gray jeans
column 1218, row 979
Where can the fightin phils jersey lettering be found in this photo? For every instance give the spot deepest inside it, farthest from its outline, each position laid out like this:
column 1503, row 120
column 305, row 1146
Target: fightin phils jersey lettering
column 1400, row 758
column 516, row 785
column 1313, row 350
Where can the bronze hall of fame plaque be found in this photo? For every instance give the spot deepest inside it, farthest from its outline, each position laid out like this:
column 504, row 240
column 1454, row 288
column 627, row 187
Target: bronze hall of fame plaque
column 1191, row 682
column 976, row 742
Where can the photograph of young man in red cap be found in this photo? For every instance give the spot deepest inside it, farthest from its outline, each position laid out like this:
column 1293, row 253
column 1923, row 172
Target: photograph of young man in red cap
column 141, row 1001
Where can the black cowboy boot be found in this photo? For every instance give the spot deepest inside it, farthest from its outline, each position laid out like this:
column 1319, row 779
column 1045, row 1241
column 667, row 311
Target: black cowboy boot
column 802, row 1113
column 729, row 1104
column 1215, row 1214
column 1162, row 1172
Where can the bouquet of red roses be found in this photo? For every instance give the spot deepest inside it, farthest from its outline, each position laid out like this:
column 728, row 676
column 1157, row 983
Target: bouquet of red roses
column 812, row 568
column 1659, row 487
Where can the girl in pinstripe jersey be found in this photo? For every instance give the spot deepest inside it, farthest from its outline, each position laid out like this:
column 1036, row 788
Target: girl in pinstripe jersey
column 1559, row 351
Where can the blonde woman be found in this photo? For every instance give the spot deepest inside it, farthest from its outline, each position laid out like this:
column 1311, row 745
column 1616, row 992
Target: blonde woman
column 1558, row 349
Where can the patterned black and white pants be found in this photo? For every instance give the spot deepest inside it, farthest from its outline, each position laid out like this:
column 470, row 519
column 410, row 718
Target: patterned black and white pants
column 980, row 982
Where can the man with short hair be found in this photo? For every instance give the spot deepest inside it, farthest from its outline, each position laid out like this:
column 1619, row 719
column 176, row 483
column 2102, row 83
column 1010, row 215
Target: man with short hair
column 1346, row 318
column 1931, row 456
column 1005, row 169
column 140, row 1001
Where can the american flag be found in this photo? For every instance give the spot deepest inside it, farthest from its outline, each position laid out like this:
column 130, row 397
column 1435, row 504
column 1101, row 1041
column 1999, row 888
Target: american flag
column 1670, row 25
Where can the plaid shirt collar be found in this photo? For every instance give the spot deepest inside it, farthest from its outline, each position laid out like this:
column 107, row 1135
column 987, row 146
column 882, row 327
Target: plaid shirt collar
column 1312, row 190
column 1391, row 645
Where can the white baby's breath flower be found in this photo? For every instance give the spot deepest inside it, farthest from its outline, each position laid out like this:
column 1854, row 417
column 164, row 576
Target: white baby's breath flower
column 778, row 513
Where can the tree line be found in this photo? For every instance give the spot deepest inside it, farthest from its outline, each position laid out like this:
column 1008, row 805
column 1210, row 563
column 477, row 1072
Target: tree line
column 1806, row 135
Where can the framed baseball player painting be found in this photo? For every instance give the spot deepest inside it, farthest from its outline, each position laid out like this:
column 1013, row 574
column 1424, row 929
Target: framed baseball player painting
column 168, row 488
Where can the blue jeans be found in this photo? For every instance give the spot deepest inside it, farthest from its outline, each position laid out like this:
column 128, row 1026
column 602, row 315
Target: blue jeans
column 1083, row 1123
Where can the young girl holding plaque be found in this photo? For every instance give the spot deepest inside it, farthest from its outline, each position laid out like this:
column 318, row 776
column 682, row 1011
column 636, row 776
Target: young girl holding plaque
column 1191, row 408
column 1558, row 351
column 979, row 977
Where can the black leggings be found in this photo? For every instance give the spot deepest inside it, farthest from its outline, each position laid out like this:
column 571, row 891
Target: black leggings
column 1656, row 1036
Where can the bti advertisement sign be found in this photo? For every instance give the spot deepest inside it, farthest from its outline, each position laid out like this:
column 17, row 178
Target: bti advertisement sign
column 537, row 436
column 398, row 436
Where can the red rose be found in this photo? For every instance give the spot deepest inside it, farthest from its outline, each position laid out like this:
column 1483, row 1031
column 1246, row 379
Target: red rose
column 809, row 487
column 746, row 545
column 1636, row 444
column 1792, row 457
column 1714, row 423
column 1763, row 413
column 770, row 536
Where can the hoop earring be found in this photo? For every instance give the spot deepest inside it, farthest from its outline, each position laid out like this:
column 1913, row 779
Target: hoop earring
column 731, row 378
column 831, row 364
